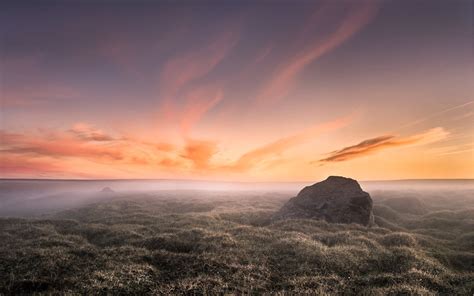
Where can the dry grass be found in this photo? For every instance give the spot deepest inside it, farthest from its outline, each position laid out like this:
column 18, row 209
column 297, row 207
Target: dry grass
column 208, row 245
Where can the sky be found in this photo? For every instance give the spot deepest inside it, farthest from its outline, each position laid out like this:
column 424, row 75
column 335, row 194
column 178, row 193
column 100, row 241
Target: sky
column 237, row 90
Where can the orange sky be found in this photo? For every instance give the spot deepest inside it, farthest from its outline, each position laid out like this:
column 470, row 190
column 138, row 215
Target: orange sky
column 251, row 92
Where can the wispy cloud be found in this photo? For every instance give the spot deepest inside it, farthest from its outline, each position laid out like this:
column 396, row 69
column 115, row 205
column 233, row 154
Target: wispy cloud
column 284, row 78
column 183, row 97
column 373, row 145
column 56, row 145
column 84, row 147
column 458, row 151
column 438, row 113
column 40, row 151
column 16, row 165
column 88, row 132
column 198, row 102
column 84, row 142
column 189, row 66
column 254, row 157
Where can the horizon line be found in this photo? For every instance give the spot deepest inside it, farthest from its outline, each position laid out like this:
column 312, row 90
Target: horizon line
column 219, row 181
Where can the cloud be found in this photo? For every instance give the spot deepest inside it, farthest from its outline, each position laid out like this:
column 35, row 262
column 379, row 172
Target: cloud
column 284, row 78
column 171, row 163
column 163, row 146
column 198, row 102
column 179, row 81
column 262, row 54
column 373, row 145
column 56, row 145
column 83, row 142
column 255, row 157
column 88, row 132
column 438, row 113
column 31, row 152
column 458, row 151
column 199, row 152
column 16, row 165
column 187, row 67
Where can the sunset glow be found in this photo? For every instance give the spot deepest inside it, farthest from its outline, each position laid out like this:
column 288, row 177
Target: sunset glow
column 235, row 91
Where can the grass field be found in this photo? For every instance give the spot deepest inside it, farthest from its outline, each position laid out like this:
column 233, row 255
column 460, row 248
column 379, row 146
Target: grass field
column 203, row 242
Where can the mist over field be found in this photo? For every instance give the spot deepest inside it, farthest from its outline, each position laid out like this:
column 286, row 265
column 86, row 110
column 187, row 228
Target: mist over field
column 35, row 197
column 175, row 237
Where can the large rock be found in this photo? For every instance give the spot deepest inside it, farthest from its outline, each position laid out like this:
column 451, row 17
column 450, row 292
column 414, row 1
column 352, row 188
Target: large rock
column 336, row 200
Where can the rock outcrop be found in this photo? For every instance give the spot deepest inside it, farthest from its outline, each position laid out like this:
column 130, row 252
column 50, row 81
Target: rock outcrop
column 336, row 200
column 107, row 190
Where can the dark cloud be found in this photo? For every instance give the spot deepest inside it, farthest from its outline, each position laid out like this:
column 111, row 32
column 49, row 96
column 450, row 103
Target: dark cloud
column 383, row 142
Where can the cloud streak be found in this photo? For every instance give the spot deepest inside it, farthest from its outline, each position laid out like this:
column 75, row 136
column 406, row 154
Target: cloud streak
column 55, row 152
column 254, row 157
column 68, row 151
column 57, row 145
column 430, row 116
column 183, row 96
column 284, row 78
column 85, row 143
column 198, row 102
column 88, row 132
column 16, row 165
column 370, row 146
